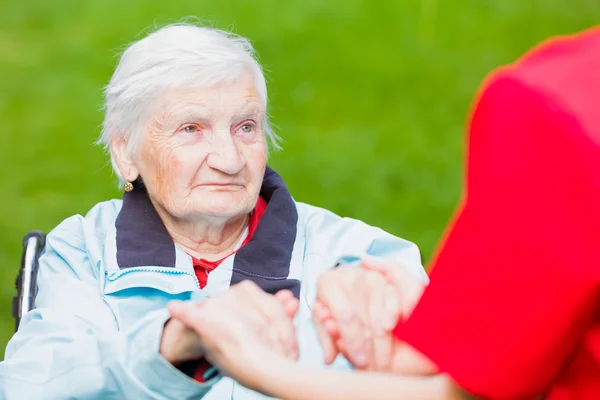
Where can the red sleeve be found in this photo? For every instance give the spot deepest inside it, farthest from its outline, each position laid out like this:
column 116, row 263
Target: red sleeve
column 514, row 285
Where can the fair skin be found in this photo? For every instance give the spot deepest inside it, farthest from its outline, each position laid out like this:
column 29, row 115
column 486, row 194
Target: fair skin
column 245, row 313
column 356, row 311
column 347, row 311
column 239, row 344
column 202, row 157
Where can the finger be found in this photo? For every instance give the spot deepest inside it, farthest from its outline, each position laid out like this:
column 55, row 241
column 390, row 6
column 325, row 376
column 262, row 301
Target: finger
column 321, row 311
column 289, row 302
column 409, row 289
column 265, row 306
column 363, row 289
column 384, row 267
column 336, row 291
column 326, row 319
column 380, row 344
column 178, row 342
column 291, row 307
column 175, row 308
column 206, row 326
column 326, row 341
column 331, row 327
column 392, row 306
column 278, row 323
column 284, row 295
column 288, row 331
column 392, row 271
column 185, row 312
column 339, row 344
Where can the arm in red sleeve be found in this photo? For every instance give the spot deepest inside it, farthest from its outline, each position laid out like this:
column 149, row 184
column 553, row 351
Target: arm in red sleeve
column 515, row 283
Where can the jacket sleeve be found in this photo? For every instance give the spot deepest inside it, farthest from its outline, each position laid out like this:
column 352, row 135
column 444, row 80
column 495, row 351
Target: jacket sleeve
column 331, row 239
column 70, row 345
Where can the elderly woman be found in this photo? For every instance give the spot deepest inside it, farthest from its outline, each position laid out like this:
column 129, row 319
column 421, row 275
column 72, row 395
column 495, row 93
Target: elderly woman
column 187, row 130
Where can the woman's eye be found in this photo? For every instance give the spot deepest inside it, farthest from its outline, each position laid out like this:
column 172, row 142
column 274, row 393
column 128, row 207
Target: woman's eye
column 246, row 128
column 190, row 129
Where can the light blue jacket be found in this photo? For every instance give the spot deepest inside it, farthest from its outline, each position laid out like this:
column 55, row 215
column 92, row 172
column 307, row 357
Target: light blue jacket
column 105, row 279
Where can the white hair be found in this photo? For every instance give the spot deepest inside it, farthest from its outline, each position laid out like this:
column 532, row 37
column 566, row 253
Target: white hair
column 174, row 56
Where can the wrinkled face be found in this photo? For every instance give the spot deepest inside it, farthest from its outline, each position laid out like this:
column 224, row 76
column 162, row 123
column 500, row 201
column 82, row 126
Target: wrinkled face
column 204, row 151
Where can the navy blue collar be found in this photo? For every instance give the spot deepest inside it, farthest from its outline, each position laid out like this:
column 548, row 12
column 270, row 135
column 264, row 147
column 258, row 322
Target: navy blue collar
column 143, row 240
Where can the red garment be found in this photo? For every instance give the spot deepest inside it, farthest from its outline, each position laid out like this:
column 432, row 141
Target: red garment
column 512, row 310
column 203, row 267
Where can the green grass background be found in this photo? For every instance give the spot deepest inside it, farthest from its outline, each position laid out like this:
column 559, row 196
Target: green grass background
column 371, row 97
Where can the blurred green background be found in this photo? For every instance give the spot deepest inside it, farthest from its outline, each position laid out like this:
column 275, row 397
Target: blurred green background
column 370, row 96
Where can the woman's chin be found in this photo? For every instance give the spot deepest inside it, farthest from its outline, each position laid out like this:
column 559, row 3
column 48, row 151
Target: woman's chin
column 222, row 204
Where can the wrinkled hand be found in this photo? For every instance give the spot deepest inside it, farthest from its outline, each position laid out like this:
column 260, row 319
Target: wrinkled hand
column 180, row 343
column 242, row 329
column 358, row 307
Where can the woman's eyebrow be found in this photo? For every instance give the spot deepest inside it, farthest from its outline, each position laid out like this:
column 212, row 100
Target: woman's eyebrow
column 188, row 116
column 247, row 113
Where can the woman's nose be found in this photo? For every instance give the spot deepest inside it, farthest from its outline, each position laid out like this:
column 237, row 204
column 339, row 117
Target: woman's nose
column 226, row 155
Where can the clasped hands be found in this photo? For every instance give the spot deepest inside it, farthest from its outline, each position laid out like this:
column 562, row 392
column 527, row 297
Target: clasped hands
column 243, row 329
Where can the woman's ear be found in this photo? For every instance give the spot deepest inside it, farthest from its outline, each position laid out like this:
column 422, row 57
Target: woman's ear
column 118, row 149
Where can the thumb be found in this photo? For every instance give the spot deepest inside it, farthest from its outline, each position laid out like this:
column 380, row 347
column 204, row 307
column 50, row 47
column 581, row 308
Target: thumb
column 184, row 311
column 177, row 308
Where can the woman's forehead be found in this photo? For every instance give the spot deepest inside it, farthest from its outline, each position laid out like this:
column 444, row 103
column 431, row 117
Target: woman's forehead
column 194, row 106
column 207, row 110
column 231, row 97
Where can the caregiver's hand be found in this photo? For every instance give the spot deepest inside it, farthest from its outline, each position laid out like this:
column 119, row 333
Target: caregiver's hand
column 357, row 309
column 242, row 328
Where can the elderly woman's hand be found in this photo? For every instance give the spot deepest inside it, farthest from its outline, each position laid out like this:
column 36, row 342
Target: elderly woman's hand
column 358, row 307
column 241, row 329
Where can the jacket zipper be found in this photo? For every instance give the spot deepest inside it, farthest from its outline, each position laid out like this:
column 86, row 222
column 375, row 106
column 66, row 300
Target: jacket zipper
column 115, row 275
